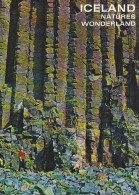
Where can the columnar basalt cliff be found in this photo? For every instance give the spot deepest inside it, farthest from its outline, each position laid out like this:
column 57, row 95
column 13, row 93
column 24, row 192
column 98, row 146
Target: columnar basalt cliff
column 67, row 92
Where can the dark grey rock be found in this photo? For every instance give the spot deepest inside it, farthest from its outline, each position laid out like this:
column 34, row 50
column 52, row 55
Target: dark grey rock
column 120, row 180
column 90, row 188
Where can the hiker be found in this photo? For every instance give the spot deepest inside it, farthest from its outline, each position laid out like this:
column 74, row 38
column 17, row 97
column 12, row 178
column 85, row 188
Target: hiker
column 21, row 159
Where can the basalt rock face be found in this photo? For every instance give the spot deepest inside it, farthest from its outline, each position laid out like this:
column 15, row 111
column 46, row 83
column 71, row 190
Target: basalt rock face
column 67, row 93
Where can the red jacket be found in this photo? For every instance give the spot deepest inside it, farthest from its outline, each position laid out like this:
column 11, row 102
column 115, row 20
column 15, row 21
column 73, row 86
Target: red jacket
column 21, row 154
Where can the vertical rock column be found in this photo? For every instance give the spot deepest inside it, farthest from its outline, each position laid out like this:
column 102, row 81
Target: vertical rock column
column 95, row 83
column 5, row 92
column 37, row 39
column 118, row 142
column 32, row 25
column 38, row 36
column 62, row 58
column 49, row 104
column 89, row 86
column 36, row 67
column 132, row 85
column 131, row 90
column 22, row 52
column 129, row 44
column 121, row 63
column 4, row 30
column 71, row 80
column 118, row 100
column 49, row 87
column 12, row 39
column 108, row 77
column 80, row 84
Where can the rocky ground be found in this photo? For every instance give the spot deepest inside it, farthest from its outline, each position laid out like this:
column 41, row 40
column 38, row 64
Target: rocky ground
column 103, row 181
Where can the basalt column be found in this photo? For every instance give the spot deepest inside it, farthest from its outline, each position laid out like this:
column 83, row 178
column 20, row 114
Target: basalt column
column 10, row 70
column 4, row 30
column 21, row 62
column 70, row 95
column 36, row 80
column 129, row 40
column 36, row 61
column 94, row 90
column 62, row 59
column 130, row 63
column 108, row 76
column 5, row 97
column 89, row 71
column 39, row 48
column 49, row 104
column 119, row 143
column 36, row 66
column 22, row 52
column 32, row 25
column 80, row 84
column 50, row 65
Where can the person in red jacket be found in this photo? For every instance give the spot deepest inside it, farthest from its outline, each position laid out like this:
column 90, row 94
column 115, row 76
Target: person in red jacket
column 21, row 159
